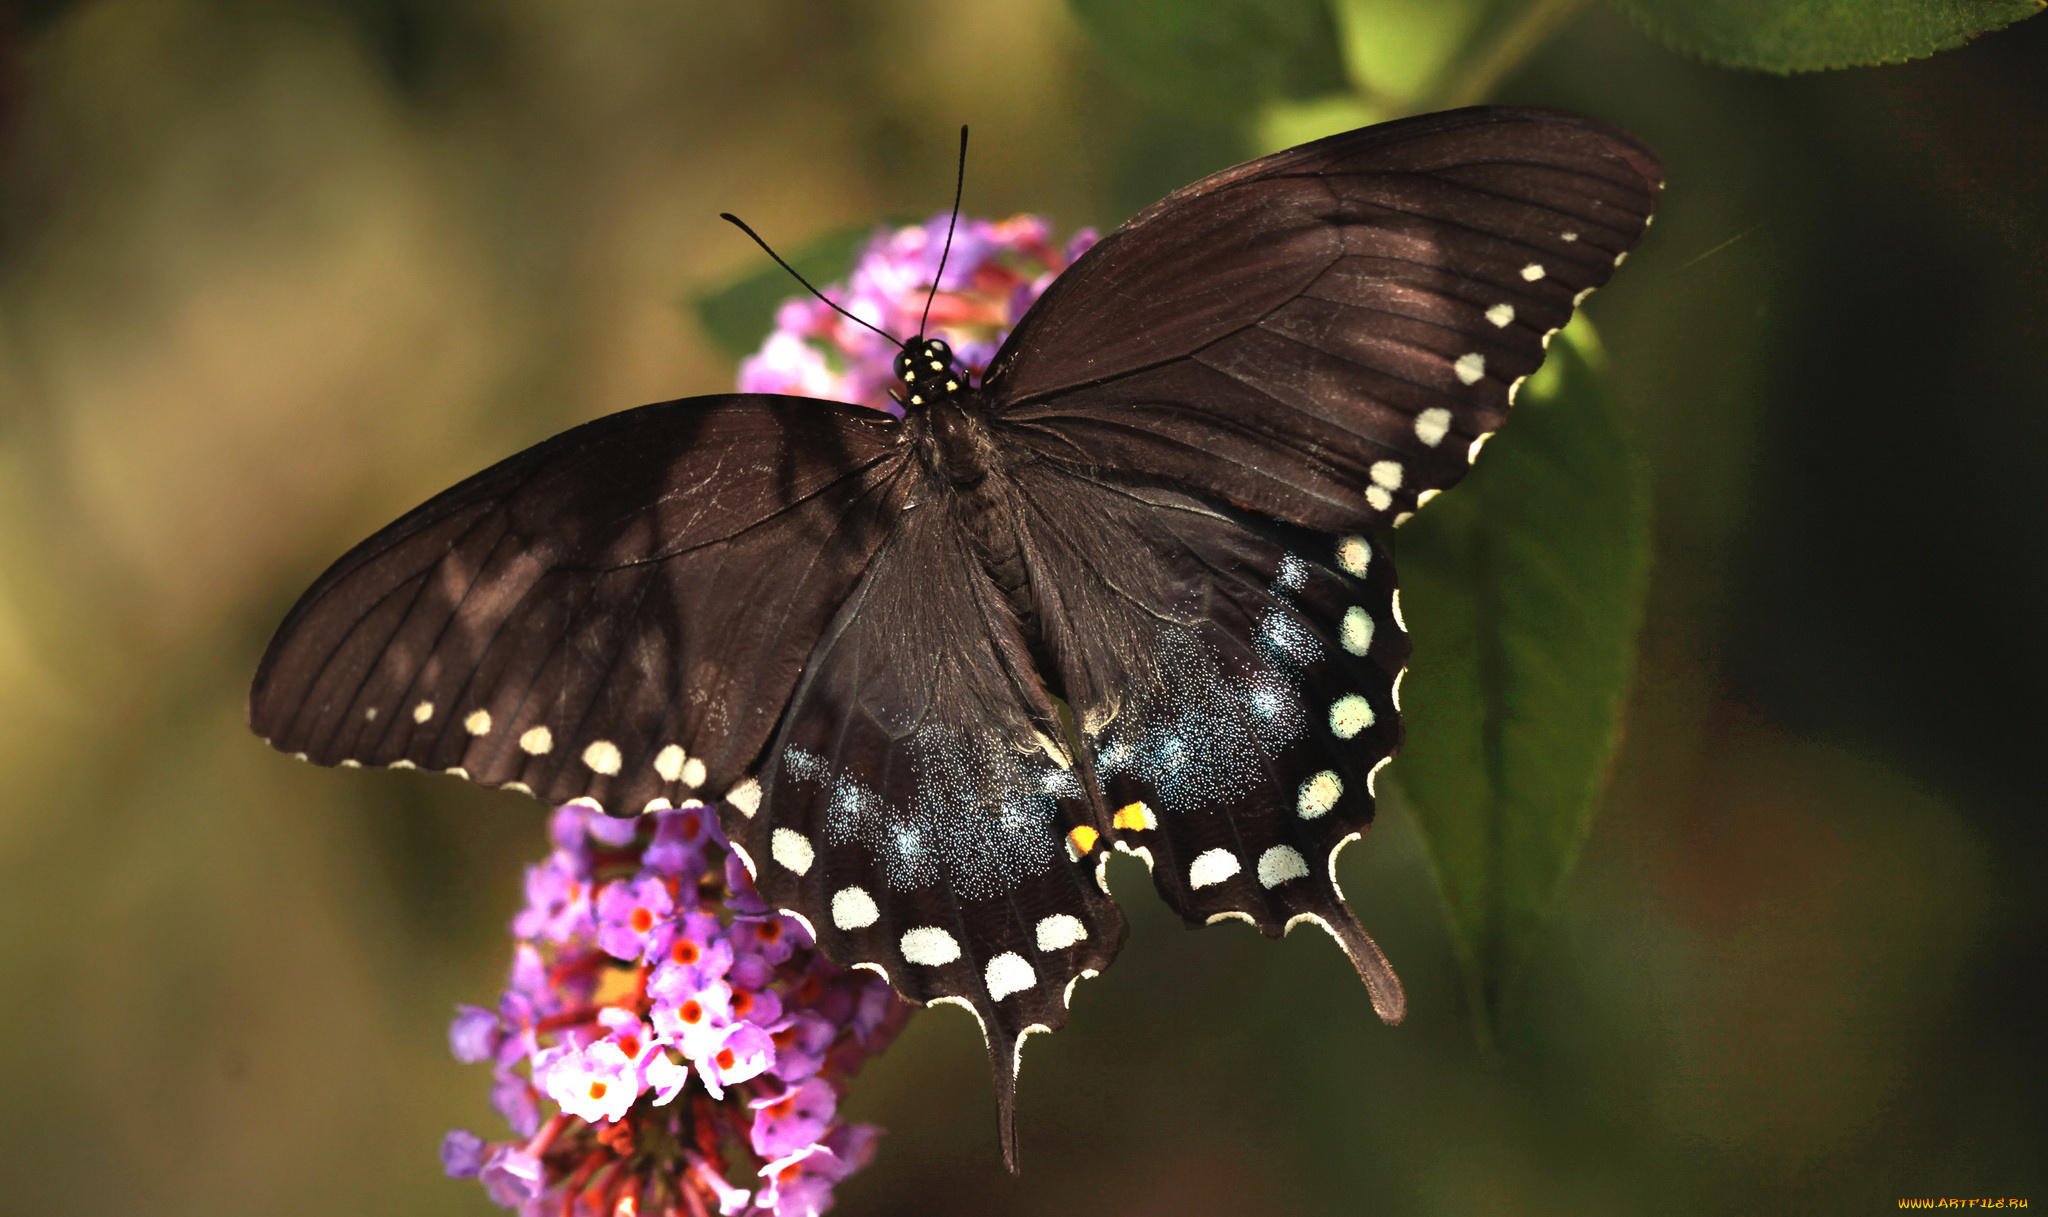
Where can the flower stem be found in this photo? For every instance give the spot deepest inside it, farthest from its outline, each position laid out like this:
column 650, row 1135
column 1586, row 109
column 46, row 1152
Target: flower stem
column 1481, row 71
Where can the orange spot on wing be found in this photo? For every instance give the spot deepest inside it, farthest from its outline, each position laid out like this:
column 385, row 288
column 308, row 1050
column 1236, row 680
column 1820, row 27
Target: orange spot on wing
column 1133, row 817
column 1083, row 838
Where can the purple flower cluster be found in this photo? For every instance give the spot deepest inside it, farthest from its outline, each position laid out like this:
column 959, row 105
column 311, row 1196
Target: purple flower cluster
column 686, row 1033
column 997, row 268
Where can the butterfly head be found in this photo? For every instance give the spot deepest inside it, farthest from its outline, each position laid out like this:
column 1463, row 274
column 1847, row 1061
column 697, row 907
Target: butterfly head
column 927, row 372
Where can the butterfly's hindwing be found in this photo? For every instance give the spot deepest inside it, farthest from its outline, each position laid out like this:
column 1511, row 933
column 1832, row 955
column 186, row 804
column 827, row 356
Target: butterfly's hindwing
column 617, row 615
column 1244, row 756
column 1328, row 334
column 917, row 806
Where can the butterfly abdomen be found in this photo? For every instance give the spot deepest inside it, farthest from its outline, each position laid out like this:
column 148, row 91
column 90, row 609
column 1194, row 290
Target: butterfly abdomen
column 969, row 472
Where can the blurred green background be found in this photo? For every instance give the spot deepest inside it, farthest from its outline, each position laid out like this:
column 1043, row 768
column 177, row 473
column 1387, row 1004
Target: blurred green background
column 270, row 273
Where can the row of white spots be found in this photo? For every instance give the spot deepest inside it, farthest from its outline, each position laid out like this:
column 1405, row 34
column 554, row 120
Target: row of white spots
column 1278, row 865
column 1432, row 425
column 1386, row 478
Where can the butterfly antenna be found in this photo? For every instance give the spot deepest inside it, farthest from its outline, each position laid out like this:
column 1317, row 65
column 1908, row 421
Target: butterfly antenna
column 959, row 183
column 740, row 224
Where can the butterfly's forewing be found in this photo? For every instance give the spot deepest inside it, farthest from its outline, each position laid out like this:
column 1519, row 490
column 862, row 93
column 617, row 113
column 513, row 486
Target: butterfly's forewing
column 917, row 807
column 1239, row 754
column 618, row 614
column 1326, row 334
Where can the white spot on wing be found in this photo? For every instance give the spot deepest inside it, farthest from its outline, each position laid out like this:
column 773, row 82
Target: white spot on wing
column 1357, row 633
column 1007, row 973
column 422, row 712
column 1426, row 496
column 1387, row 474
column 792, row 849
column 1060, row 931
column 1621, row 257
column 1501, row 314
column 517, row 787
column 931, row 946
column 1232, row 915
column 657, row 803
column 1515, row 387
column 351, row 764
column 1472, row 453
column 1399, row 620
column 854, row 909
column 1318, row 795
column 669, row 763
column 478, row 722
column 369, row 714
column 1372, row 780
column 1349, row 715
column 746, row 859
column 1213, row 867
column 746, row 796
column 1581, row 297
column 1470, row 367
column 693, row 773
column 1353, row 553
column 1432, row 425
column 457, row 771
column 402, row 765
column 877, row 969
column 602, row 756
column 538, row 741
column 1398, row 678
column 1533, row 271
column 1280, row 864
column 587, row 801
column 1378, row 497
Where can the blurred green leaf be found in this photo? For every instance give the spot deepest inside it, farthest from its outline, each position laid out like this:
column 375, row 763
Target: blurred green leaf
column 1807, row 35
column 1524, row 592
column 740, row 315
column 1219, row 57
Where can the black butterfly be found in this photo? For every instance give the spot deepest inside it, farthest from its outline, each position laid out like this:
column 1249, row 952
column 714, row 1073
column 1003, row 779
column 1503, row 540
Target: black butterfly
column 1124, row 594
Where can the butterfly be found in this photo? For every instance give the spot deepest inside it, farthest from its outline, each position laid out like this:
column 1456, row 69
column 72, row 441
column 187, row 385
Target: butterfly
column 1129, row 593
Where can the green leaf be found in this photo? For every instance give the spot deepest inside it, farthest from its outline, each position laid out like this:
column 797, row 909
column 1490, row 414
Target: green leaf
column 739, row 316
column 1808, row 35
column 1216, row 57
column 1523, row 590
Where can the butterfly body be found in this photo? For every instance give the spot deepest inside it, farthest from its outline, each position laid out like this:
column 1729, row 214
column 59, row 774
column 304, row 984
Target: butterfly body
column 1126, row 594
